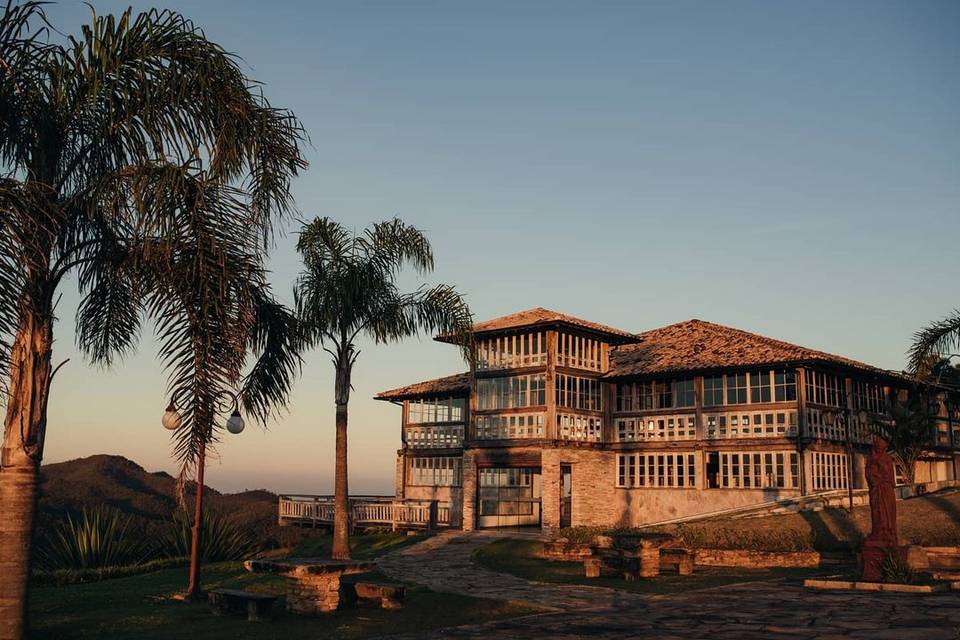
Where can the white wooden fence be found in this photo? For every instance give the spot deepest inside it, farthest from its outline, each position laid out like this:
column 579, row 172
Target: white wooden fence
column 365, row 511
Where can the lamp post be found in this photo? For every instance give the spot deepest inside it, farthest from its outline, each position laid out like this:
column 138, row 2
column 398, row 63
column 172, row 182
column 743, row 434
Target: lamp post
column 222, row 401
column 840, row 418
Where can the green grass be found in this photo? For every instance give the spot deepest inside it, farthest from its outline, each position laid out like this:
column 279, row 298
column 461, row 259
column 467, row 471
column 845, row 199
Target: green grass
column 140, row 606
column 364, row 547
column 518, row 557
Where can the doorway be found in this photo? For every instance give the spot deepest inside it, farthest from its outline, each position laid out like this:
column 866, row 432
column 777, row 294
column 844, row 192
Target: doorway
column 566, row 495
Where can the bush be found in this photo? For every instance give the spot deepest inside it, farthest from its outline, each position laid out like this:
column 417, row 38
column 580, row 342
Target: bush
column 581, row 535
column 100, row 537
column 64, row 577
column 896, row 569
column 220, row 538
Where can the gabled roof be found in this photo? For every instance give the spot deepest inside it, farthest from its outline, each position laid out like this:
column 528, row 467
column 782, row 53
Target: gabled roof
column 448, row 385
column 698, row 345
column 545, row 317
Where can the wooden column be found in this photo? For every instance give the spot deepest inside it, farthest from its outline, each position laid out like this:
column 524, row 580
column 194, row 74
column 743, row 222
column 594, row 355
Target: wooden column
column 801, row 428
column 550, row 415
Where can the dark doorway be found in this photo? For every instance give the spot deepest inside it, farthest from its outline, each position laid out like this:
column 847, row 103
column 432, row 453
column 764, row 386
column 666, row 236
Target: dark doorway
column 566, row 495
column 713, row 470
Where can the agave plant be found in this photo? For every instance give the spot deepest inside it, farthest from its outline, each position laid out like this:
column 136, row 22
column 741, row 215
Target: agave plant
column 99, row 537
column 220, row 538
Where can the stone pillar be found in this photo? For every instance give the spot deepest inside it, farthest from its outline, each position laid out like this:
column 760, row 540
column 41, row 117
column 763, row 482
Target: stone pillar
column 313, row 595
column 550, row 489
column 469, row 481
column 649, row 561
column 399, row 476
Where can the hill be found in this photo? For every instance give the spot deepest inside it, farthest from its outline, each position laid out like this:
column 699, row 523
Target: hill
column 150, row 498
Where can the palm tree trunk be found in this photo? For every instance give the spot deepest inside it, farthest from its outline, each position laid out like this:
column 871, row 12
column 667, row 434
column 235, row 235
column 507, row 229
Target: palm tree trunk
column 24, row 429
column 193, row 584
column 341, row 506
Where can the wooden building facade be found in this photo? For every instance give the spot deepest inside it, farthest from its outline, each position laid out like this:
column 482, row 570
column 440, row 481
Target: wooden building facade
column 567, row 422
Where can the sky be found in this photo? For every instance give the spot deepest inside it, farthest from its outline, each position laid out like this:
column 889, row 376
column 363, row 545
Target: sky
column 788, row 168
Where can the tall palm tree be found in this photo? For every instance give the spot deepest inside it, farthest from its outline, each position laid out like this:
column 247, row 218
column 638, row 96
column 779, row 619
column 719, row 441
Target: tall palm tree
column 138, row 158
column 935, row 340
column 908, row 430
column 348, row 289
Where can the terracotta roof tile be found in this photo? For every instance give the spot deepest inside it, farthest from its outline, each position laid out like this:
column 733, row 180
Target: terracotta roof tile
column 540, row 316
column 699, row 345
column 458, row 383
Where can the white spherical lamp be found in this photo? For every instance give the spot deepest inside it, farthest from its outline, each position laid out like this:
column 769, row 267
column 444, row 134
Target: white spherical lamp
column 235, row 422
column 171, row 418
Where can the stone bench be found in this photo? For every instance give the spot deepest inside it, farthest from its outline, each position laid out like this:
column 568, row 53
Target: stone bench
column 676, row 558
column 259, row 606
column 388, row 596
column 313, row 585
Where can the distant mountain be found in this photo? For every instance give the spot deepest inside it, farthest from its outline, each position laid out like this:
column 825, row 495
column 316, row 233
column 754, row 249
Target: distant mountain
column 69, row 487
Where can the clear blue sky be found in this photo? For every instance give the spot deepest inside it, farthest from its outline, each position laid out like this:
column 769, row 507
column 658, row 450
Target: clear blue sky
column 786, row 168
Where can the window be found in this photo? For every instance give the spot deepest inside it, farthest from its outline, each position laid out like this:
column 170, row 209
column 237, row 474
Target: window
column 750, row 424
column 656, row 470
column 824, row 388
column 434, row 436
column 645, row 390
column 664, row 392
column 438, row 471
column 759, row 386
column 436, row 410
column 625, row 397
column 579, row 352
column 515, row 350
column 829, row 471
column 713, row 391
column 579, row 428
column 785, row 385
column 578, row 393
column 505, row 427
column 756, row 470
column 868, row 397
column 515, row 391
column 684, row 394
column 737, row 388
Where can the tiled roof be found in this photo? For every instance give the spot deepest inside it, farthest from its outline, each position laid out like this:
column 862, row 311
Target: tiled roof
column 458, row 383
column 699, row 345
column 540, row 316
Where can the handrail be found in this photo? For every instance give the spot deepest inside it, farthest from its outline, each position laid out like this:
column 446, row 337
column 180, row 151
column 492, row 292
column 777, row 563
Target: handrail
column 364, row 510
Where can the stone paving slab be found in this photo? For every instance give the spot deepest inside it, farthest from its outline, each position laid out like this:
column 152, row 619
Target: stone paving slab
column 749, row 611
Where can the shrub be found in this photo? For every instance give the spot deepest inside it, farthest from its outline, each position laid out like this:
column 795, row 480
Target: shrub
column 100, row 537
column 64, row 577
column 581, row 535
column 896, row 569
column 220, row 538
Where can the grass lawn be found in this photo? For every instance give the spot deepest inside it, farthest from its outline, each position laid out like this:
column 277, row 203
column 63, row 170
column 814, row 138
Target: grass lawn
column 518, row 557
column 139, row 606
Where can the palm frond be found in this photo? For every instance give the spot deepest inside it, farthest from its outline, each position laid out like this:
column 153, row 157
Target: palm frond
column 936, row 339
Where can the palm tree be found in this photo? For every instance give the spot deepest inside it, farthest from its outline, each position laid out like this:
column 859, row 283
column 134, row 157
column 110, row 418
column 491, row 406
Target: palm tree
column 934, row 341
column 908, row 430
column 137, row 158
column 348, row 289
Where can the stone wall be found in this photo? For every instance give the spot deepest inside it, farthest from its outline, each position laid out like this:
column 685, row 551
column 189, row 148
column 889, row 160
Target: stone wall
column 593, row 485
column 750, row 559
column 453, row 495
column 636, row 507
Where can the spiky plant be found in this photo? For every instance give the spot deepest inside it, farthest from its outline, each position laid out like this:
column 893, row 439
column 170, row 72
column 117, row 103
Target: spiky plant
column 220, row 539
column 137, row 158
column 934, row 341
column 348, row 289
column 99, row 537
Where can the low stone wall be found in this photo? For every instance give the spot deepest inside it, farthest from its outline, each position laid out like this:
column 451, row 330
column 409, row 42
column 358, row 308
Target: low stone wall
column 943, row 557
column 752, row 559
column 566, row 551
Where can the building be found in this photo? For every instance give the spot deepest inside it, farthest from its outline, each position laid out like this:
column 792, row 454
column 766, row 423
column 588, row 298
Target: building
column 569, row 422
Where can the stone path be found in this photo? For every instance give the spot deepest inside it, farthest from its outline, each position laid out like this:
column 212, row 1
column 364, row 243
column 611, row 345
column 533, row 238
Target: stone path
column 754, row 611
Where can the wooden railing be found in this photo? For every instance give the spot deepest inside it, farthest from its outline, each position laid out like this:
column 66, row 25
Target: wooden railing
column 365, row 511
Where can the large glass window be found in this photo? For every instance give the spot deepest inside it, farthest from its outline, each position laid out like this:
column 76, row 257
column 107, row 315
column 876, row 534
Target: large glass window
column 657, row 470
column 434, row 471
column 578, row 393
column 436, row 410
column 785, row 385
column 508, row 393
column 759, row 470
column 737, row 388
column 713, row 391
column 513, row 350
column 825, row 388
column 759, row 386
column 684, row 394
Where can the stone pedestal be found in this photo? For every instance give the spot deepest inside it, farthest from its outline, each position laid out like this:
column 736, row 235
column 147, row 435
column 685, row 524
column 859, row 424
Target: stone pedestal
column 313, row 595
column 873, row 554
column 649, row 561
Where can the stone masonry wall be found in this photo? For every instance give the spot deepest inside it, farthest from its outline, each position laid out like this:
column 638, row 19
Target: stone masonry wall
column 593, row 486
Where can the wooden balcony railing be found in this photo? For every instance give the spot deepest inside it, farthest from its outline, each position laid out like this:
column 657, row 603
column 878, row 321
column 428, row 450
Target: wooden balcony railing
column 365, row 511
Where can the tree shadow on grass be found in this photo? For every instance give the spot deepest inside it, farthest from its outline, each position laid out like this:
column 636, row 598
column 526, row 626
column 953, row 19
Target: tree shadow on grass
column 824, row 538
column 948, row 507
